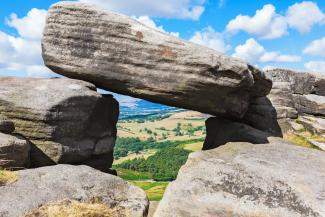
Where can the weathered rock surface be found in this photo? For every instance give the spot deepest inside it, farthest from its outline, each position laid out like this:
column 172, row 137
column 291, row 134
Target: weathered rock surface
column 122, row 55
column 37, row 187
column 14, row 152
column 293, row 96
column 6, row 125
column 245, row 180
column 66, row 120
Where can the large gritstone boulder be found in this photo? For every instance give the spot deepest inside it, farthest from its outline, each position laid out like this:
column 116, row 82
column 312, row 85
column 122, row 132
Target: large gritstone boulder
column 119, row 54
column 66, row 120
column 246, row 180
column 66, row 190
column 14, row 152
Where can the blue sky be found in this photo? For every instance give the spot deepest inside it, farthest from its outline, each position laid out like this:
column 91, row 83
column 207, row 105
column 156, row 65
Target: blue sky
column 273, row 33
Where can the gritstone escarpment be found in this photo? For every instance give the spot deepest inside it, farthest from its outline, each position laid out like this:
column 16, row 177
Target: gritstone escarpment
column 119, row 54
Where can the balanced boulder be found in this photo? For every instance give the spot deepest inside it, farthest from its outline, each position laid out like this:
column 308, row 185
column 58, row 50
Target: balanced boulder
column 245, row 180
column 65, row 120
column 63, row 186
column 120, row 54
column 14, row 152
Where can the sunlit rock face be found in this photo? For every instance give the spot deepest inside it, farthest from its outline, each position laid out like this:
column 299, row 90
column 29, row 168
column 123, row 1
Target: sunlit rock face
column 66, row 120
column 37, row 188
column 245, row 180
column 119, row 54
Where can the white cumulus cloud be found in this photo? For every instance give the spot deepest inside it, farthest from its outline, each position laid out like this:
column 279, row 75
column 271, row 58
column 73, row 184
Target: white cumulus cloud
column 316, row 47
column 30, row 26
column 268, row 24
column 253, row 53
column 210, row 38
column 24, row 53
column 316, row 66
column 303, row 16
column 183, row 9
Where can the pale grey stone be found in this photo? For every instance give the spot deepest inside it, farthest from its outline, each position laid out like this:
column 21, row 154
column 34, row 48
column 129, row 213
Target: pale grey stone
column 64, row 119
column 245, row 180
column 37, row 187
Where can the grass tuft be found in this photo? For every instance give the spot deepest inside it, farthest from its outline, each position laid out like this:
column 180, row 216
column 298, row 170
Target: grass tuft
column 299, row 140
column 7, row 177
column 73, row 208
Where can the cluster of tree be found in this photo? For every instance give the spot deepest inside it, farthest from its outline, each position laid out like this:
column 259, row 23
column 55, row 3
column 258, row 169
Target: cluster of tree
column 163, row 166
column 124, row 146
column 144, row 118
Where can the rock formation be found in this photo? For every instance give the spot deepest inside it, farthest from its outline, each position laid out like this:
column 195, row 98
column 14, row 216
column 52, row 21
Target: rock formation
column 295, row 104
column 119, row 54
column 37, row 188
column 14, row 152
column 66, row 120
column 245, row 180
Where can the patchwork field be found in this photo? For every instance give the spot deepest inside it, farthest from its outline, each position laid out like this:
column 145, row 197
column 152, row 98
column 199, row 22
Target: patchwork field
column 150, row 149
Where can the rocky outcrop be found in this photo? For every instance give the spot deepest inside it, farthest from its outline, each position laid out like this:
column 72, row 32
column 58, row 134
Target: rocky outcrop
column 14, row 152
column 245, row 180
column 36, row 188
column 6, row 125
column 119, row 54
column 296, row 104
column 66, row 120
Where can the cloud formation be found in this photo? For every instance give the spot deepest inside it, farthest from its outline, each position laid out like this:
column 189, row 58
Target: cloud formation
column 303, row 16
column 23, row 53
column 316, row 66
column 210, row 38
column 316, row 47
column 268, row 24
column 182, row 9
column 254, row 53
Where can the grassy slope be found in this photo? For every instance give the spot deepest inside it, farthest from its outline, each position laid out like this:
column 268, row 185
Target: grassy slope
column 155, row 190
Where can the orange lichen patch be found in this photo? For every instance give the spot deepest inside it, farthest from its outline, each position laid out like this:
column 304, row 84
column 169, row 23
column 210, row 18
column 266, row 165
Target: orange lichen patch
column 166, row 51
column 139, row 36
column 68, row 208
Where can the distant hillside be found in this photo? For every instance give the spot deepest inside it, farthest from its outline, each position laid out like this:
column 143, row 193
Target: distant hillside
column 143, row 109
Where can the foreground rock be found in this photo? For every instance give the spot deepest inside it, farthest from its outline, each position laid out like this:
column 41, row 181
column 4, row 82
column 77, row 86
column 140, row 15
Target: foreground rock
column 122, row 55
column 37, row 188
column 66, row 120
column 14, row 152
column 245, row 180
